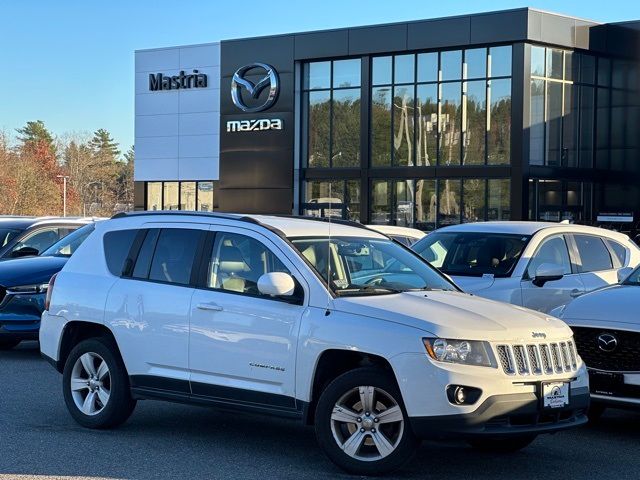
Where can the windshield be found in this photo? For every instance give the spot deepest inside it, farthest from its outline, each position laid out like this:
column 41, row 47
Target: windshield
column 8, row 234
column 633, row 279
column 69, row 244
column 472, row 254
column 369, row 266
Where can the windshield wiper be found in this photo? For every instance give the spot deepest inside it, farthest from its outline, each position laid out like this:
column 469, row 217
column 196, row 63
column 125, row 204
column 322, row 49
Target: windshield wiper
column 369, row 289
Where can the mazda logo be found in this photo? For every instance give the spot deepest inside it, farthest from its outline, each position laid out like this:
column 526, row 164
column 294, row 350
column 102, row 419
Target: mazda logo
column 238, row 82
column 607, row 342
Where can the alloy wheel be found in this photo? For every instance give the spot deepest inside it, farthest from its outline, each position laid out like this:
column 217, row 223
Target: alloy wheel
column 90, row 383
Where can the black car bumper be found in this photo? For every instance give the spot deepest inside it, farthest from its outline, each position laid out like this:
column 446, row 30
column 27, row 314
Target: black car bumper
column 506, row 415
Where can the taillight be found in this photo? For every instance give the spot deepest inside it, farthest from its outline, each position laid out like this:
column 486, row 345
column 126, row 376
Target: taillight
column 47, row 300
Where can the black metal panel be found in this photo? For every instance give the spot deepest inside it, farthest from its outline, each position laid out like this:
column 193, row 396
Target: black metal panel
column 257, row 200
column 327, row 44
column 262, row 167
column 519, row 157
column 441, row 33
column 139, row 195
column 508, row 26
column 378, row 39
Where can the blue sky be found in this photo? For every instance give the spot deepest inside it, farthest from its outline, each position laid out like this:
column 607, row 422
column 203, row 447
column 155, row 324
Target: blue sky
column 70, row 63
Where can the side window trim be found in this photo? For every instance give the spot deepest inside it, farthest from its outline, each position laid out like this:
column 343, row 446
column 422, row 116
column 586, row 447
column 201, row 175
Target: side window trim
column 574, row 255
column 134, row 251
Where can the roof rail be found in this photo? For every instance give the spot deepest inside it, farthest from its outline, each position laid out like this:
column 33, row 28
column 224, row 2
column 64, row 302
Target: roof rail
column 338, row 221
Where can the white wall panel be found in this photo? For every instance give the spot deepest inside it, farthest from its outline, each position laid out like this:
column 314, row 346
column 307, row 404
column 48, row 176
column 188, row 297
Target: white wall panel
column 199, row 123
column 203, row 100
column 157, row 147
column 198, row 145
column 160, row 59
column 200, row 56
column 157, row 125
column 151, row 104
column 199, row 168
column 148, row 169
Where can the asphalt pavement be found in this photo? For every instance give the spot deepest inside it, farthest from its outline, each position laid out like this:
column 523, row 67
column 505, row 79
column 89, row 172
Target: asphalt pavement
column 38, row 439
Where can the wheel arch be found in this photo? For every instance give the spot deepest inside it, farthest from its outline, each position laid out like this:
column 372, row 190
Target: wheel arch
column 75, row 332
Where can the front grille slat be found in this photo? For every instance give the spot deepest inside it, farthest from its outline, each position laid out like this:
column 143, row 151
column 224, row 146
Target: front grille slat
column 537, row 359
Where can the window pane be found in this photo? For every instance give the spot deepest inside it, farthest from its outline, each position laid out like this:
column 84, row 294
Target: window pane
column 174, row 254
column 143, row 262
column 536, row 130
column 381, row 126
column 426, row 204
column 205, row 196
column 325, row 198
column 381, row 70
column 427, row 133
column 500, row 61
column 571, row 63
column 554, row 63
column 318, row 75
column 604, row 72
column 473, row 197
column 353, row 200
column 346, row 128
column 449, row 202
column 117, row 244
column 618, row 132
column 476, row 127
column 319, row 103
column 554, row 123
column 450, row 123
column 451, row 65
column 594, row 256
column 154, row 195
column 537, row 61
column 569, row 119
column 587, row 69
column 499, row 131
column 346, row 73
column 499, row 207
column 552, row 251
column 602, row 132
column 475, row 63
column 238, row 261
column 380, row 202
column 403, row 69
column 170, row 196
column 403, row 125
column 187, row 195
column 619, row 250
column 428, row 67
column 585, row 155
column 403, row 208
column 549, row 199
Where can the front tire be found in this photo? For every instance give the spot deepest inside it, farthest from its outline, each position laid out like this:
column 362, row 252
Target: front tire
column 361, row 423
column 502, row 444
column 96, row 385
column 8, row 343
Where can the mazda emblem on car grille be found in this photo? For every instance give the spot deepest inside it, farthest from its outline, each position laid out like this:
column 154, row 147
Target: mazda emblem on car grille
column 607, row 342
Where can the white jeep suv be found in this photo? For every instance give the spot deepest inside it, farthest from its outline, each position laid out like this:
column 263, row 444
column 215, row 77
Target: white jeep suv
column 329, row 323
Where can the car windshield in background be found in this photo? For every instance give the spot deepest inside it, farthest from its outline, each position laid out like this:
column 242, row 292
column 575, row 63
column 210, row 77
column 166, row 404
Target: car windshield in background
column 7, row 234
column 67, row 245
column 366, row 266
column 633, row 279
column 472, row 254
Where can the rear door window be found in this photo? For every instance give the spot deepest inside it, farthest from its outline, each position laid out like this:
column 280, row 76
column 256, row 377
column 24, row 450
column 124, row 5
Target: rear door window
column 594, row 255
column 117, row 245
column 174, row 255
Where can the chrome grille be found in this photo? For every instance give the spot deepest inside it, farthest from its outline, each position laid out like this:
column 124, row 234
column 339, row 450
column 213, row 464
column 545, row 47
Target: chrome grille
column 538, row 359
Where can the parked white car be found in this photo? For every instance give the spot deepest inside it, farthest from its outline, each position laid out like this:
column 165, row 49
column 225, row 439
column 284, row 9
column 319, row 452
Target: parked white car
column 537, row 265
column 607, row 333
column 405, row 235
column 349, row 331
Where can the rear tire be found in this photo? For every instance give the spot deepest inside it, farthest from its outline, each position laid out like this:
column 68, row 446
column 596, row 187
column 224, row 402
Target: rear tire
column 502, row 444
column 353, row 429
column 8, row 343
column 96, row 385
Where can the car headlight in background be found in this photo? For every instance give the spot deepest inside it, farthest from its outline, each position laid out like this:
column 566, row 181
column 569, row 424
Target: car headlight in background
column 28, row 289
column 465, row 352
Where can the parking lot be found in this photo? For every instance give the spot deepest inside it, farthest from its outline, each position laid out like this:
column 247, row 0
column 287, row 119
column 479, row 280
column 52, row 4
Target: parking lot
column 38, row 439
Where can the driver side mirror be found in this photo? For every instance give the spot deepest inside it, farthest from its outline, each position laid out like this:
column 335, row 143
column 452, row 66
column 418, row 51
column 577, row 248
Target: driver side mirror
column 278, row 284
column 547, row 272
column 623, row 273
column 25, row 252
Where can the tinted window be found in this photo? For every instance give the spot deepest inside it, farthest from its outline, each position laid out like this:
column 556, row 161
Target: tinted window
column 116, row 249
column 173, row 257
column 70, row 243
column 7, row 235
column 552, row 251
column 594, row 256
column 40, row 239
column 238, row 261
column 619, row 250
column 472, row 253
column 143, row 262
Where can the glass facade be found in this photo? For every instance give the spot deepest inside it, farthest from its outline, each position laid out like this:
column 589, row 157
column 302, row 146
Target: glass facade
column 194, row 196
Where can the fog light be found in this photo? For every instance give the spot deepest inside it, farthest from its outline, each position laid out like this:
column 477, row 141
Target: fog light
column 460, row 395
column 463, row 395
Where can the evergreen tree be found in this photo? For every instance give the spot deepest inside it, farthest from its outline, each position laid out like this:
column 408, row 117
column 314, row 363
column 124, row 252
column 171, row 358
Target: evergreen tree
column 103, row 145
column 36, row 133
column 129, row 156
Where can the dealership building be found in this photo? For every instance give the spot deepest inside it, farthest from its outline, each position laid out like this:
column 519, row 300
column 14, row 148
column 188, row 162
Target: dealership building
column 517, row 114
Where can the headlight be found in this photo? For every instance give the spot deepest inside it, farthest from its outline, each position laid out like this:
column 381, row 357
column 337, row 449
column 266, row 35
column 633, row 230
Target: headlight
column 466, row 352
column 28, row 289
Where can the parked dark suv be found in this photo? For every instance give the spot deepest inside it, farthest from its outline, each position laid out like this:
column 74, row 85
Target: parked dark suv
column 30, row 236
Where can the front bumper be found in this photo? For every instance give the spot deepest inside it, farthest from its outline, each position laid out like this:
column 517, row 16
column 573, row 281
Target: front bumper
column 506, row 415
column 20, row 316
column 615, row 389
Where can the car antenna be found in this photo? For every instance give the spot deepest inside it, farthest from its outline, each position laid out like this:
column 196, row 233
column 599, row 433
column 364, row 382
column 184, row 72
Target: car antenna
column 328, row 311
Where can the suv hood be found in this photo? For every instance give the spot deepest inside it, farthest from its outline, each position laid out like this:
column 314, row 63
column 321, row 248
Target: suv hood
column 457, row 315
column 29, row 271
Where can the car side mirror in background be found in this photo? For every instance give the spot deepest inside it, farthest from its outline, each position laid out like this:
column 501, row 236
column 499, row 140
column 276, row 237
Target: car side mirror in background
column 547, row 272
column 623, row 273
column 25, row 252
column 279, row 284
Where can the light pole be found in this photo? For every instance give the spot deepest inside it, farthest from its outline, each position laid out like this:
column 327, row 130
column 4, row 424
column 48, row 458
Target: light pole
column 64, row 193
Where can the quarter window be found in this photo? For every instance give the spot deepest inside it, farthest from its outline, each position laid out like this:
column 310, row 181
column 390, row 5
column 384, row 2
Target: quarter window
column 116, row 249
column 594, row 256
column 619, row 251
column 552, row 251
column 173, row 256
column 238, row 261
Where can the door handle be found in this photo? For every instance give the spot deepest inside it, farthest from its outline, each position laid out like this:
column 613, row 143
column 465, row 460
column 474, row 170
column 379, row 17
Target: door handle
column 212, row 307
column 575, row 293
